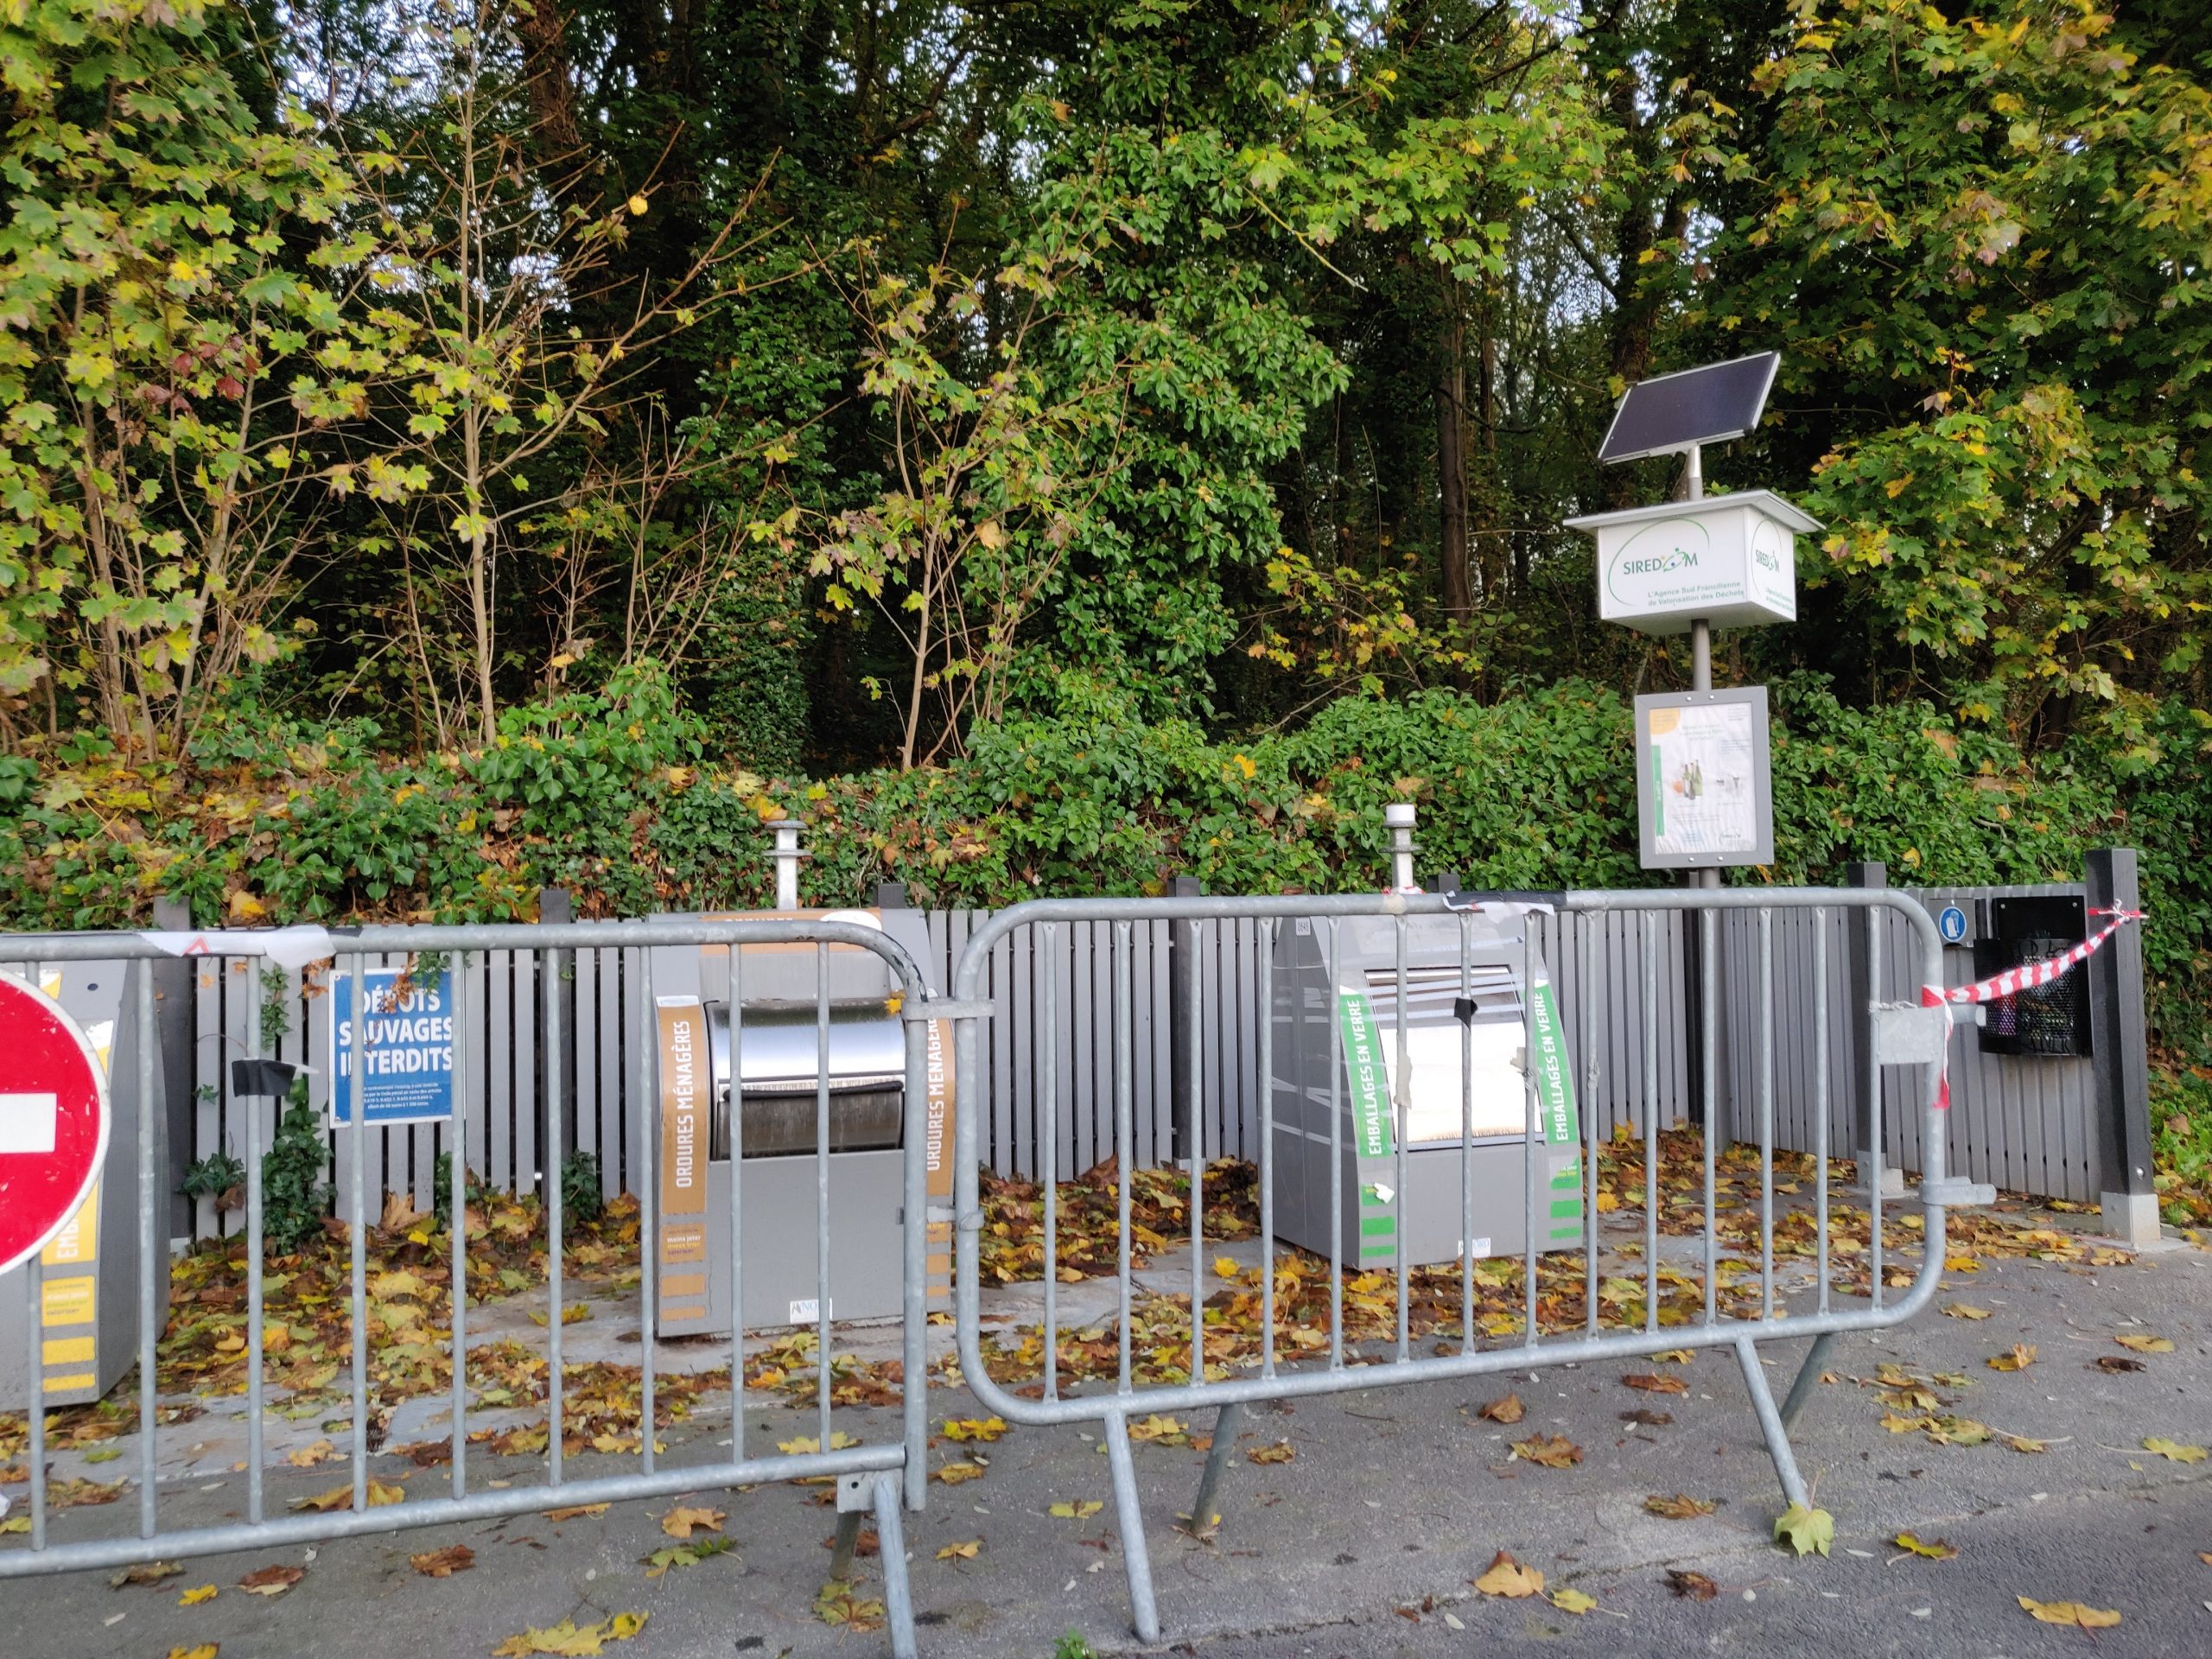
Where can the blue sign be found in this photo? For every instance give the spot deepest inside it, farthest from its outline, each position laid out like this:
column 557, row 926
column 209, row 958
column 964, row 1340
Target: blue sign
column 407, row 1037
column 1952, row 924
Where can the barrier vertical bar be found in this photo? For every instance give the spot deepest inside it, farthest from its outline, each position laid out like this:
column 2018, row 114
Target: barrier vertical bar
column 1531, row 1126
column 1401, row 1100
column 1708, row 924
column 735, row 1118
column 1465, row 1013
column 457, row 1223
column 357, row 1076
column 1049, row 1131
column 914, row 1294
column 1197, row 1149
column 1122, row 1135
column 1336, row 1159
column 1593, row 1075
column 255, row 1402
column 1821, row 1097
column 649, row 1134
column 1650, row 1121
column 1870, row 1116
column 821, row 1192
column 550, row 1069
column 150, row 1241
column 1766, row 1114
column 1267, row 995
column 35, row 1407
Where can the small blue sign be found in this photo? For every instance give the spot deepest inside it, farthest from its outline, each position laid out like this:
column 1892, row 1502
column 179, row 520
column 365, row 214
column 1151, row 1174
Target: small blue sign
column 407, row 1035
column 1952, row 924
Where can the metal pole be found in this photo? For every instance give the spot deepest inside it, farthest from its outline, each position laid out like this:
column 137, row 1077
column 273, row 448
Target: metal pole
column 1182, row 1022
column 2119, row 1056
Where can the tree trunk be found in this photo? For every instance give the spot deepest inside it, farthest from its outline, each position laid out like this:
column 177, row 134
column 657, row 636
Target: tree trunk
column 1452, row 460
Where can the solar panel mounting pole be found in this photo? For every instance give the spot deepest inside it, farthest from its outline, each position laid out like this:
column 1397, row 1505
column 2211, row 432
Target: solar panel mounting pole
column 1701, row 665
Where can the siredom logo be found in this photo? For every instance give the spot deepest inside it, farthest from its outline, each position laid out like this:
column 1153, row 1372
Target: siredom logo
column 1679, row 559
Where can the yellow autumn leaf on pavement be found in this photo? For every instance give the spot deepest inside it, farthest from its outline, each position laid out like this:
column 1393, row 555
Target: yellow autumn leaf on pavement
column 2018, row 1357
column 205, row 1650
column 194, row 1597
column 985, row 1429
column 1280, row 1452
column 570, row 1640
column 966, row 1552
column 1935, row 1549
column 1507, row 1577
column 1081, row 1508
column 1965, row 1310
column 1573, row 1601
column 2174, row 1450
column 679, row 1521
column 2143, row 1344
column 2069, row 1612
column 1226, row 1267
column 805, row 1443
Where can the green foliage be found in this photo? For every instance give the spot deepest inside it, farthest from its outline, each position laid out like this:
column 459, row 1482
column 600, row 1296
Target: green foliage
column 294, row 1196
column 212, row 1176
column 1978, row 233
column 472, row 1190
column 1073, row 1644
column 582, row 1202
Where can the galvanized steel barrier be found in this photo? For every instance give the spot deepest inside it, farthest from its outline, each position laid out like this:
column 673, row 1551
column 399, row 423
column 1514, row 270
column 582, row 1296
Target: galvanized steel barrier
column 1901, row 1034
column 877, row 1478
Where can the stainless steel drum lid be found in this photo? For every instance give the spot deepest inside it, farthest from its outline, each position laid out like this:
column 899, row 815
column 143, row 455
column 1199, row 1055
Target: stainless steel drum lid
column 781, row 1052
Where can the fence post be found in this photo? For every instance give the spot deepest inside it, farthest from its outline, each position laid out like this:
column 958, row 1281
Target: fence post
column 2120, row 1042
column 557, row 905
column 1865, row 1075
column 1182, row 1021
column 174, row 1010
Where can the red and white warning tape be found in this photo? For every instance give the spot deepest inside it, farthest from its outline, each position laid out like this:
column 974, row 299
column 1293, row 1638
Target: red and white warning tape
column 2026, row 977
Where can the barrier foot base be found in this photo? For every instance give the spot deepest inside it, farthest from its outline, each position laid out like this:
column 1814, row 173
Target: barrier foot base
column 1817, row 1360
column 840, row 1552
column 1144, row 1613
column 891, row 1542
column 1770, row 1424
column 1225, row 1425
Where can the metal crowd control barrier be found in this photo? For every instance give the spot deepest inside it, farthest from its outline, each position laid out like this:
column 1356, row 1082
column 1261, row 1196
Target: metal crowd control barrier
column 1902, row 1035
column 877, row 1478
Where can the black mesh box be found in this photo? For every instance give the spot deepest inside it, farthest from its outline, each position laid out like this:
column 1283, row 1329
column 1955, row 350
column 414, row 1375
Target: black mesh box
column 2050, row 1020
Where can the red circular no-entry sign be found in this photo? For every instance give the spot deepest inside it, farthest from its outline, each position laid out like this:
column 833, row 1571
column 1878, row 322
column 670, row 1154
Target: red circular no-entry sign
column 53, row 1120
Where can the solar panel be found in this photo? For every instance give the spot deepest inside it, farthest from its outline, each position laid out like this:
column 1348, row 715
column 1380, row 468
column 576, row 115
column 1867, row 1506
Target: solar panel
column 1671, row 412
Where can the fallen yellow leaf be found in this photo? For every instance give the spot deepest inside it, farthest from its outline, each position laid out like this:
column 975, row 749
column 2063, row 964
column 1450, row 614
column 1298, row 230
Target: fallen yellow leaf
column 953, row 1473
column 2143, row 1344
column 307, row 1457
column 1226, row 1267
column 575, row 1511
column 1507, row 1410
column 2018, row 1357
column 1681, row 1507
column 1507, row 1577
column 205, row 1650
column 194, row 1597
column 2174, row 1450
column 679, row 1521
column 966, row 1552
column 985, row 1429
column 1081, row 1508
column 1937, row 1549
column 1571, row 1600
column 1551, row 1450
column 2069, row 1612
column 1280, row 1452
column 1965, row 1310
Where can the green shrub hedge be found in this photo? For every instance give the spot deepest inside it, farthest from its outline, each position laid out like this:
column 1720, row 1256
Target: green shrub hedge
column 616, row 794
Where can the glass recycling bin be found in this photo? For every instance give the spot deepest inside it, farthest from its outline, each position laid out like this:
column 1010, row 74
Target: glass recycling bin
column 1483, row 1047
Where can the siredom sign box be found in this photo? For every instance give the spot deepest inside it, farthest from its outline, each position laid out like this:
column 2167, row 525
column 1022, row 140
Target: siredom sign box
column 1730, row 559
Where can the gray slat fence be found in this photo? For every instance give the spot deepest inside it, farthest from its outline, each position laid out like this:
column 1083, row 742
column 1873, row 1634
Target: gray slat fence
column 2026, row 1124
